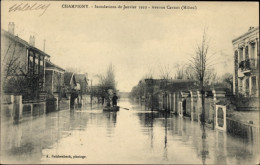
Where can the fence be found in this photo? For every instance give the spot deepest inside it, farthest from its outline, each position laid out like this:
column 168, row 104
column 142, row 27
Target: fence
column 13, row 107
column 245, row 130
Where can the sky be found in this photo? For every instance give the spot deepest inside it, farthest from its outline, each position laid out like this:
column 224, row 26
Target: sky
column 135, row 41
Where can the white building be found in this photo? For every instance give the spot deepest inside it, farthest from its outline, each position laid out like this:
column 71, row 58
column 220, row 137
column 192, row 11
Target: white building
column 246, row 59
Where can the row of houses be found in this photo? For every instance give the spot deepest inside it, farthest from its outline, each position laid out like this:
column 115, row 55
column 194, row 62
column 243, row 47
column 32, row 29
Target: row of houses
column 221, row 108
column 28, row 72
column 234, row 110
column 245, row 78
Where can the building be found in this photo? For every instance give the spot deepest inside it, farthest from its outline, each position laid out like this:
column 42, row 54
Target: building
column 82, row 83
column 165, row 94
column 246, row 63
column 54, row 79
column 70, row 82
column 22, row 66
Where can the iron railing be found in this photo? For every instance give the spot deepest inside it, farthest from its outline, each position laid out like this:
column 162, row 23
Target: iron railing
column 247, row 64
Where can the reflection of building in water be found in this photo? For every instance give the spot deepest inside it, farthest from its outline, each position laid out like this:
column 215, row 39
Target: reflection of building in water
column 21, row 140
column 220, row 147
column 12, row 137
column 151, row 129
column 147, row 121
column 111, row 118
column 165, row 155
column 78, row 120
column 180, row 122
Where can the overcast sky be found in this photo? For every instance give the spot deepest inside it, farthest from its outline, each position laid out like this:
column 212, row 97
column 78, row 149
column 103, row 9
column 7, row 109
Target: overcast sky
column 135, row 41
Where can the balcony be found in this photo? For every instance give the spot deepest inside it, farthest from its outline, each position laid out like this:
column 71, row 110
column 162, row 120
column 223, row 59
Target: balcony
column 247, row 65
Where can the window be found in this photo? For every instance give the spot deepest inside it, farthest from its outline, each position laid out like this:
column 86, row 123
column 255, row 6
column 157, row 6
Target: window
column 220, row 117
column 30, row 67
column 246, row 53
column 241, row 55
column 247, row 87
column 254, row 90
column 36, row 64
column 240, row 87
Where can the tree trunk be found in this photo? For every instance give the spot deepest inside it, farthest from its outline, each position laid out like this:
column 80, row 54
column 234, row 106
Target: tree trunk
column 202, row 119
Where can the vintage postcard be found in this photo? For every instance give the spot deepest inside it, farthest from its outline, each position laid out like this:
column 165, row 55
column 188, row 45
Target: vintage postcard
column 129, row 82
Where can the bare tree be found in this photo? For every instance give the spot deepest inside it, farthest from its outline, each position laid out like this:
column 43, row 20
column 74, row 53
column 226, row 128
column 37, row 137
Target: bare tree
column 228, row 78
column 189, row 72
column 110, row 77
column 106, row 81
column 165, row 71
column 210, row 77
column 199, row 63
column 226, row 81
column 149, row 74
column 13, row 70
column 179, row 71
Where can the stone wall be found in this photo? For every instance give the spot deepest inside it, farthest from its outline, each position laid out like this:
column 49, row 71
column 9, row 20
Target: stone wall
column 188, row 106
column 13, row 109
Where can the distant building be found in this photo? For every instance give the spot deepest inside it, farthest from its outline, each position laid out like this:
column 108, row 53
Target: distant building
column 22, row 66
column 165, row 94
column 70, row 82
column 82, row 83
column 246, row 60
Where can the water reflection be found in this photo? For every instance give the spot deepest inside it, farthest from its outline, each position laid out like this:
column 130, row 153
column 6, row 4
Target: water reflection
column 134, row 136
column 111, row 122
column 208, row 145
column 165, row 155
column 204, row 151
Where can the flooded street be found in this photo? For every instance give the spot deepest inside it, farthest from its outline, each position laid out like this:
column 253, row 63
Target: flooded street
column 127, row 136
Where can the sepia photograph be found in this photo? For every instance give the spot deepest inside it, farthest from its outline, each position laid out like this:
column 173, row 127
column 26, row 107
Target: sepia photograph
column 129, row 82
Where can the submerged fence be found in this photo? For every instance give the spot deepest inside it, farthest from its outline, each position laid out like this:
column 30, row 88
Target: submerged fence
column 245, row 130
column 13, row 107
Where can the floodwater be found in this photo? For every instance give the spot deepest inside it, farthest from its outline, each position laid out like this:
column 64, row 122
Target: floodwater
column 124, row 137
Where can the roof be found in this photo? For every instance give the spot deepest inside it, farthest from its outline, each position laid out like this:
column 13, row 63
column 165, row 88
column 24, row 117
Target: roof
column 50, row 65
column 170, row 81
column 173, row 84
column 181, row 85
column 23, row 42
column 68, row 77
column 245, row 34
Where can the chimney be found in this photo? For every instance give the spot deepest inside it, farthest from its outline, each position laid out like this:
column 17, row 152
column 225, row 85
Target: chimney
column 250, row 28
column 11, row 28
column 32, row 40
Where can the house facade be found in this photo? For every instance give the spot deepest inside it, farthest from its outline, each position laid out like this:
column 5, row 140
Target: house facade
column 82, row 83
column 54, row 79
column 246, row 63
column 70, row 82
column 22, row 66
column 165, row 94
